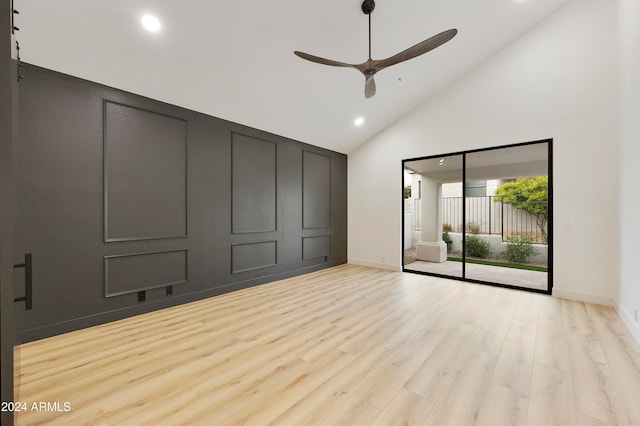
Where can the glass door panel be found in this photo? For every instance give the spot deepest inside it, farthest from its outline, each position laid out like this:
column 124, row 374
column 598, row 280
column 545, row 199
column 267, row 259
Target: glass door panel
column 433, row 215
column 506, row 216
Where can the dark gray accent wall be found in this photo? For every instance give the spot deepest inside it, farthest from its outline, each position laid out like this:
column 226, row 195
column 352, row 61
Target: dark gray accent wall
column 8, row 113
column 104, row 177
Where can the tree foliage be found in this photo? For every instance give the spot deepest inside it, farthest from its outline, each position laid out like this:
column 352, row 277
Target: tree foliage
column 530, row 194
column 407, row 191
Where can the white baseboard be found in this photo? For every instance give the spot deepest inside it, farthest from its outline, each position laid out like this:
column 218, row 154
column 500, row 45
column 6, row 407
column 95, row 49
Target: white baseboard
column 628, row 320
column 378, row 265
column 583, row 297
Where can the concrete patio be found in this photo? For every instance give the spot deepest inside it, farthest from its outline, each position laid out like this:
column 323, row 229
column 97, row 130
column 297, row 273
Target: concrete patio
column 496, row 274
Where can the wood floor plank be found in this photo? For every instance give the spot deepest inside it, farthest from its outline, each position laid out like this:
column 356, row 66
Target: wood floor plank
column 628, row 389
column 596, row 395
column 385, row 383
column 552, row 347
column 516, row 358
column 344, row 345
column 318, row 404
column 528, row 308
column 353, row 411
column 551, row 400
column 461, row 402
column 584, row 420
column 491, row 335
column 502, row 407
column 406, row 409
column 576, row 317
column 623, row 354
column 439, row 368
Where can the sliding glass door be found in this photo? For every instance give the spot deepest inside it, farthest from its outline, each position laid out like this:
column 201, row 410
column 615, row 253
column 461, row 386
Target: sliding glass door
column 482, row 216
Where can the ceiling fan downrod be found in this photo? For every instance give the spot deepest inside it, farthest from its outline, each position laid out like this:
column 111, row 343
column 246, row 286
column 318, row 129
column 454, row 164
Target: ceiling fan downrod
column 367, row 9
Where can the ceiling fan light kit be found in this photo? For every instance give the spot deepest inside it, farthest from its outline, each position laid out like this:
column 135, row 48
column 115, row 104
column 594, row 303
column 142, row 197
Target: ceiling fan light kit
column 371, row 66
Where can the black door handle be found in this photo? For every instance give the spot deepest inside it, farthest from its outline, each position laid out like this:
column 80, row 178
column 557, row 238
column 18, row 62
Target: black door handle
column 28, row 284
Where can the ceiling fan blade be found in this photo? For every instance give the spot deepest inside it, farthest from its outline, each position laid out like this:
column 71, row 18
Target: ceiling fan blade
column 417, row 50
column 322, row 61
column 369, row 86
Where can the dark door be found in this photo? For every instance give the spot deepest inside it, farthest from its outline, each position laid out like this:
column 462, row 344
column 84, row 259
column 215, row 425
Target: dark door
column 7, row 118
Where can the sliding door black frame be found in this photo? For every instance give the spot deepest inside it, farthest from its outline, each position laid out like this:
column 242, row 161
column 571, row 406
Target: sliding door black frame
column 549, row 143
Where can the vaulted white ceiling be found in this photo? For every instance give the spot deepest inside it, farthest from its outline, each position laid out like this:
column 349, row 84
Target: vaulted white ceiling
column 234, row 59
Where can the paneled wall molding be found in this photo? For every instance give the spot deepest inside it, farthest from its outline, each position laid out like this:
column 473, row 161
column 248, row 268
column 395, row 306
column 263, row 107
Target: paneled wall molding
column 145, row 174
column 254, row 165
column 253, row 256
column 316, row 190
column 315, row 247
column 134, row 272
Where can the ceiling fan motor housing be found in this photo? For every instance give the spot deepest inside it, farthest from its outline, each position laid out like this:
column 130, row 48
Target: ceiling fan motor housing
column 368, row 6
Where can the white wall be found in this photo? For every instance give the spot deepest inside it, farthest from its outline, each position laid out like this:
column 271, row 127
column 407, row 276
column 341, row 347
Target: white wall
column 559, row 80
column 452, row 189
column 629, row 296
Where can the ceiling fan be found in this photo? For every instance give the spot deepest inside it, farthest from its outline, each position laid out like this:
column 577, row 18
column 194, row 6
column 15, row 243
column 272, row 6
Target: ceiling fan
column 372, row 66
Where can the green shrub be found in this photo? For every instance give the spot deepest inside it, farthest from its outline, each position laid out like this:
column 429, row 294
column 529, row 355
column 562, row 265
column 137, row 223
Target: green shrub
column 519, row 249
column 447, row 239
column 476, row 246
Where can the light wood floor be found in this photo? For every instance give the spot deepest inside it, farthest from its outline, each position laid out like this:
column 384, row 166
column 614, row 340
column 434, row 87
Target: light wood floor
column 344, row 346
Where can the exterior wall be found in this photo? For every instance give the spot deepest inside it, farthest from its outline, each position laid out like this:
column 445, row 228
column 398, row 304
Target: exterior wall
column 557, row 81
column 452, row 189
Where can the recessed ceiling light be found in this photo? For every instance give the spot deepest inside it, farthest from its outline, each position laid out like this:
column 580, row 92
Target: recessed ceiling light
column 151, row 23
column 359, row 121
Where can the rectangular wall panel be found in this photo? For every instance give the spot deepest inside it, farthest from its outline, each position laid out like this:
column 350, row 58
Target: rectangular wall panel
column 145, row 174
column 130, row 273
column 316, row 190
column 313, row 247
column 254, row 184
column 251, row 256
